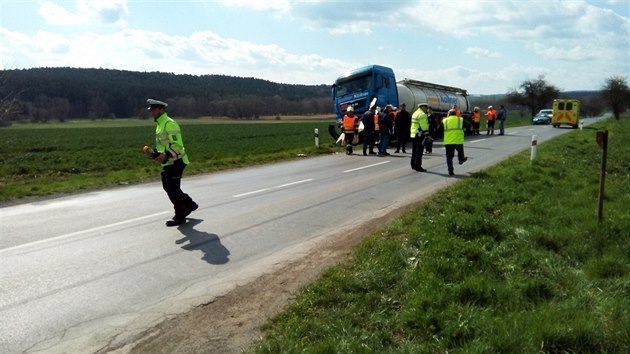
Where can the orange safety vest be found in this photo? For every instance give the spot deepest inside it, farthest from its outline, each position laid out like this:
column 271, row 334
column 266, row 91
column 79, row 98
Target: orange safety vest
column 476, row 116
column 350, row 123
column 376, row 118
column 490, row 114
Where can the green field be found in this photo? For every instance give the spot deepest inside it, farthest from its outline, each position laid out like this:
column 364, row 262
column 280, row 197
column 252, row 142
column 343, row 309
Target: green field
column 510, row 260
column 45, row 159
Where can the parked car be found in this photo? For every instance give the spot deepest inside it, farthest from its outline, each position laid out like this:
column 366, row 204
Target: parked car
column 543, row 117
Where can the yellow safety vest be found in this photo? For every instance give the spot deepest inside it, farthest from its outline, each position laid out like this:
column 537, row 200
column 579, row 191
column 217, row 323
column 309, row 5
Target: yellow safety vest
column 419, row 122
column 453, row 130
column 168, row 137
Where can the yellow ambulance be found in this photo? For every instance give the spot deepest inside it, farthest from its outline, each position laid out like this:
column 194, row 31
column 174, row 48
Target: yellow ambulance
column 565, row 111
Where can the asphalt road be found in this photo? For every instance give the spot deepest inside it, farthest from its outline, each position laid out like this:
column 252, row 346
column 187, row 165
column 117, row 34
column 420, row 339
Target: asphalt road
column 87, row 272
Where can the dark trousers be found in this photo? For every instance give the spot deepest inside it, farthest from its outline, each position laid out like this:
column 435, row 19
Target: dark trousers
column 383, row 142
column 368, row 141
column 501, row 127
column 450, row 153
column 417, row 149
column 490, row 129
column 401, row 140
column 428, row 144
column 171, row 182
column 349, row 138
column 476, row 128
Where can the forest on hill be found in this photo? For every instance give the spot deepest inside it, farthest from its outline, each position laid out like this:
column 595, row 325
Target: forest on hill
column 59, row 94
column 44, row 94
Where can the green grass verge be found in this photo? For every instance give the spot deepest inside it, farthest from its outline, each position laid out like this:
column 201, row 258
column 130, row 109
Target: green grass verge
column 511, row 260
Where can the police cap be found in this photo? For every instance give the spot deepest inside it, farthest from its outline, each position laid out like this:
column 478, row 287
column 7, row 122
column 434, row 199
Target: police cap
column 155, row 103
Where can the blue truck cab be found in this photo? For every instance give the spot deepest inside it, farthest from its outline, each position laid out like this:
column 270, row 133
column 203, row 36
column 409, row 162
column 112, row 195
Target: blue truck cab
column 358, row 87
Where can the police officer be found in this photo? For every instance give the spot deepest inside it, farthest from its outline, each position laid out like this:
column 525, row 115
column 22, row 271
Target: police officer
column 453, row 139
column 169, row 150
column 419, row 131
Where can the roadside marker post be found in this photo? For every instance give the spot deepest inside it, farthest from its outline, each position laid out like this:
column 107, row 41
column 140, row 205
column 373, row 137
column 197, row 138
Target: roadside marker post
column 602, row 141
column 317, row 138
column 533, row 153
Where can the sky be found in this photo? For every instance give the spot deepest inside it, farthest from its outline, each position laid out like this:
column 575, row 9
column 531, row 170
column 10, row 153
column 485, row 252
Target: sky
column 483, row 46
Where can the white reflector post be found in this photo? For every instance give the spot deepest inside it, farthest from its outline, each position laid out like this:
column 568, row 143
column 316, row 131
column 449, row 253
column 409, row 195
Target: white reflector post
column 532, row 156
column 316, row 138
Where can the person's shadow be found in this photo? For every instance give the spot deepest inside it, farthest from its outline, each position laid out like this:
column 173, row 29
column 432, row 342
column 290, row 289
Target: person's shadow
column 210, row 244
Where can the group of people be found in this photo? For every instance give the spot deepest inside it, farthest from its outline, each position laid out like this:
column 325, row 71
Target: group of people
column 491, row 116
column 377, row 126
column 418, row 127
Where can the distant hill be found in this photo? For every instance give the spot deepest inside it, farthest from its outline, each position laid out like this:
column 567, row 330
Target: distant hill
column 67, row 93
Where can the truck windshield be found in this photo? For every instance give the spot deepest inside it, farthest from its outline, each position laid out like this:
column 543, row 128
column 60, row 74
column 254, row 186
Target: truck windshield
column 353, row 84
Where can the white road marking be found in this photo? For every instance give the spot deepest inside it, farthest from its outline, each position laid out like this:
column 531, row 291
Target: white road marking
column 60, row 237
column 364, row 167
column 272, row 188
column 476, row 141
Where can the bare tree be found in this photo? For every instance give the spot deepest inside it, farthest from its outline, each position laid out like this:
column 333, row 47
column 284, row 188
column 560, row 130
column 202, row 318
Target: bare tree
column 616, row 94
column 9, row 103
column 534, row 94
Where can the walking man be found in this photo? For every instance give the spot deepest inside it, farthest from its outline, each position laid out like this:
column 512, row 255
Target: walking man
column 169, row 150
column 419, row 131
column 453, row 139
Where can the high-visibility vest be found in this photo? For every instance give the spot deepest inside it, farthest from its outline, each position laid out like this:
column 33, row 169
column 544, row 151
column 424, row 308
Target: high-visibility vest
column 476, row 116
column 490, row 114
column 377, row 117
column 419, row 122
column 350, row 123
column 168, row 138
column 453, row 130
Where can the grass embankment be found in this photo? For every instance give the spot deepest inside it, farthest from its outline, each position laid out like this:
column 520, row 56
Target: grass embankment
column 45, row 159
column 511, row 260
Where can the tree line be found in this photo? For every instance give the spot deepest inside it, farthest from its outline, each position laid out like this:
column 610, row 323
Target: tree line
column 537, row 94
column 44, row 94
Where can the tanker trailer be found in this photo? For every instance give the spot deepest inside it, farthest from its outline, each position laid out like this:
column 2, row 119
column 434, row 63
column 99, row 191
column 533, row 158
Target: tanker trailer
column 440, row 99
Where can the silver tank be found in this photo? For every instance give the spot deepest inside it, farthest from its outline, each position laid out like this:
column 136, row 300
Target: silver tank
column 439, row 97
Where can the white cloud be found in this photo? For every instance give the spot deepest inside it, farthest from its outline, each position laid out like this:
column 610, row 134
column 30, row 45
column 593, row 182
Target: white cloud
column 111, row 12
column 259, row 5
column 481, row 52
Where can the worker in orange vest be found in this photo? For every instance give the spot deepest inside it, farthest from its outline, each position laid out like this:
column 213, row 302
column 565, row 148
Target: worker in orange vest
column 476, row 117
column 350, row 123
column 490, row 116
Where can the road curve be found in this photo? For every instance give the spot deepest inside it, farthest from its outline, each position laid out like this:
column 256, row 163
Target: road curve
column 88, row 272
